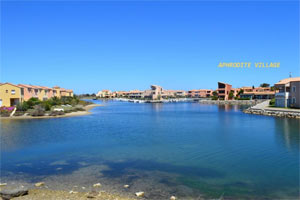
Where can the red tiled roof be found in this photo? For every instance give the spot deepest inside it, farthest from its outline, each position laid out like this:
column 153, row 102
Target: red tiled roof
column 287, row 80
column 47, row 88
column 36, row 87
column 25, row 86
column 11, row 84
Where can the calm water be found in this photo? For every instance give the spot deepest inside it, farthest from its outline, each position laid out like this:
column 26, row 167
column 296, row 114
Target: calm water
column 183, row 149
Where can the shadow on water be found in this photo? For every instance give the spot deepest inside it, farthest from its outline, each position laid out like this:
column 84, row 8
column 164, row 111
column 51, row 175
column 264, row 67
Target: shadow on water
column 158, row 179
column 118, row 169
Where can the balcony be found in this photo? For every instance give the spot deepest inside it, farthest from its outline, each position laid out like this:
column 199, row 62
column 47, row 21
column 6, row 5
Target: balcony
column 282, row 95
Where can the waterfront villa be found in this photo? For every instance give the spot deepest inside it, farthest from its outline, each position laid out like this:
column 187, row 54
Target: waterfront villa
column 119, row 94
column 60, row 92
column 104, row 94
column 224, row 90
column 295, row 94
column 157, row 92
column 29, row 91
column 154, row 93
column 201, row 93
column 257, row 93
column 135, row 94
column 288, row 94
column 173, row 93
column 11, row 95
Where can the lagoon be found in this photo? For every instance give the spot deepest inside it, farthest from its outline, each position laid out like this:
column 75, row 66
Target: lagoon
column 189, row 150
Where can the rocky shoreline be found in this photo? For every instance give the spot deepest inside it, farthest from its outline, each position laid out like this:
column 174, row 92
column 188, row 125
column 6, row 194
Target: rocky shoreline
column 275, row 113
column 40, row 190
column 45, row 194
column 231, row 102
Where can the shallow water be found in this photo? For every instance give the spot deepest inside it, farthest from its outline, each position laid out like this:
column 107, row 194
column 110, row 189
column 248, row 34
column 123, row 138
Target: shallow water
column 189, row 150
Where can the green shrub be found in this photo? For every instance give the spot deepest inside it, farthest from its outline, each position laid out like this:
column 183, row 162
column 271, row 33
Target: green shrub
column 55, row 113
column 32, row 102
column 272, row 102
column 19, row 113
column 38, row 111
column 84, row 103
column 4, row 113
column 46, row 105
column 55, row 101
column 79, row 109
column 230, row 96
column 214, row 98
column 22, row 106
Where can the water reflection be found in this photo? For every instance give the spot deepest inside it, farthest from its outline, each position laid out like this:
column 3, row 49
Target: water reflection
column 229, row 108
column 12, row 135
column 287, row 132
column 157, row 106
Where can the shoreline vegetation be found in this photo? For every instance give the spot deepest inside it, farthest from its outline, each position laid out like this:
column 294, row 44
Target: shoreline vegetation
column 86, row 111
column 51, row 108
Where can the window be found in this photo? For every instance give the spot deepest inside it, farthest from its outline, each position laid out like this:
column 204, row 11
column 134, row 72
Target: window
column 294, row 88
column 13, row 92
column 6, row 91
column 293, row 100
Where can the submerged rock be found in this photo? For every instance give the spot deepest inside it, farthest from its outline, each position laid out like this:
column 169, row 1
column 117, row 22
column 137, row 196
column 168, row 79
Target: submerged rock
column 92, row 194
column 126, row 186
column 3, row 184
column 73, row 192
column 39, row 184
column 172, row 198
column 12, row 193
column 139, row 194
column 97, row 185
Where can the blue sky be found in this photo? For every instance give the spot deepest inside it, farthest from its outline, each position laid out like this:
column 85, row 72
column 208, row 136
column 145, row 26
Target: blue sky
column 123, row 45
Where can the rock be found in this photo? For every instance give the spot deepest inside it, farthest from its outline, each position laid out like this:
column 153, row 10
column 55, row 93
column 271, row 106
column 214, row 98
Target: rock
column 97, row 185
column 3, row 184
column 9, row 194
column 39, row 184
column 126, row 186
column 172, row 198
column 73, row 192
column 92, row 194
column 139, row 194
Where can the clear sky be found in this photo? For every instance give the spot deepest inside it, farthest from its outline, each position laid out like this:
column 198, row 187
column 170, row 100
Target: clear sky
column 121, row 45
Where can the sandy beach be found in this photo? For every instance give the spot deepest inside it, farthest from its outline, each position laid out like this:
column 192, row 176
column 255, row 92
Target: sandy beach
column 72, row 114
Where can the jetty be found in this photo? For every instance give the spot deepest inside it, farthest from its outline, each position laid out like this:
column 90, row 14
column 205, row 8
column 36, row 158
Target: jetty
column 264, row 108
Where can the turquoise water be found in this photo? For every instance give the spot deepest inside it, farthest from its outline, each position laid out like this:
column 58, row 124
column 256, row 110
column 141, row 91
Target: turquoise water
column 183, row 149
